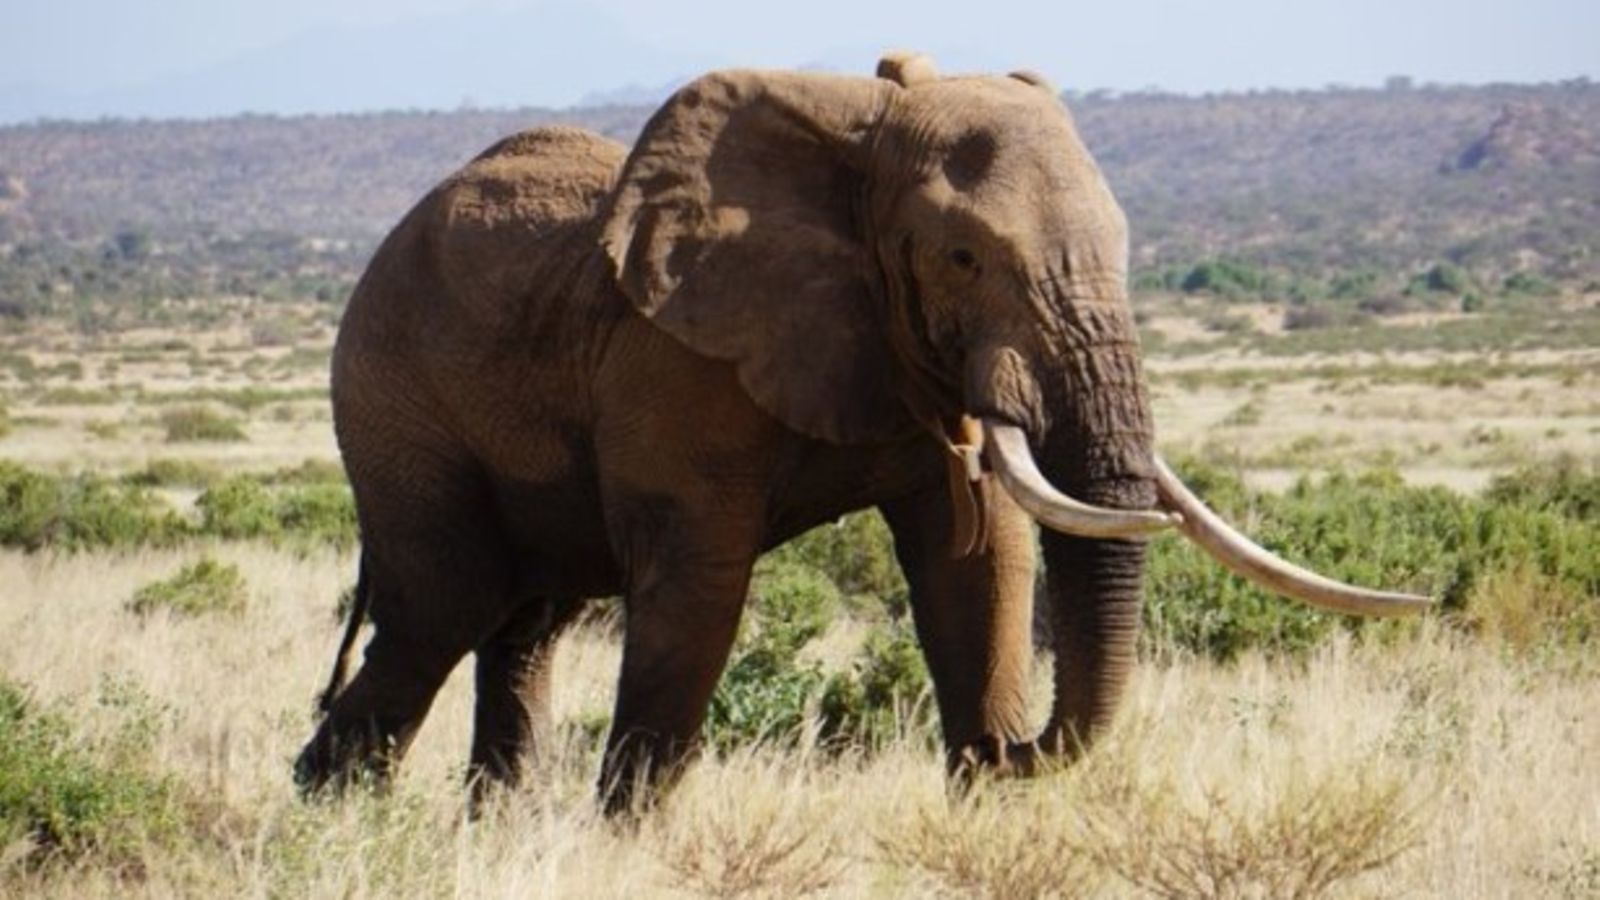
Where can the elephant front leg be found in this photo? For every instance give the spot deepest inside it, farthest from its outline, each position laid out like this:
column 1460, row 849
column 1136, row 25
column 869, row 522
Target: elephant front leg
column 683, row 606
column 973, row 616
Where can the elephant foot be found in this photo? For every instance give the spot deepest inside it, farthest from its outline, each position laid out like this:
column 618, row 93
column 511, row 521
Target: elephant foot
column 347, row 754
column 639, row 770
column 991, row 757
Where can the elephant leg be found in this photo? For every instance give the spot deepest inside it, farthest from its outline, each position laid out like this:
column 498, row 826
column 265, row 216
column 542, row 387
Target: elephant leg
column 441, row 581
column 682, row 616
column 511, row 720
column 973, row 617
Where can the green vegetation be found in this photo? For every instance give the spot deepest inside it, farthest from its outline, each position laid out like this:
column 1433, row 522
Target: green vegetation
column 63, row 800
column 1374, row 529
column 80, row 512
column 200, row 588
column 772, row 690
column 88, row 511
column 249, row 507
column 1537, row 526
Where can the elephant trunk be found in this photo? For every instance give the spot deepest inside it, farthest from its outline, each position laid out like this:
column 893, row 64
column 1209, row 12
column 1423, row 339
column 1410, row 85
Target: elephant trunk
column 1099, row 449
column 1093, row 587
column 1086, row 415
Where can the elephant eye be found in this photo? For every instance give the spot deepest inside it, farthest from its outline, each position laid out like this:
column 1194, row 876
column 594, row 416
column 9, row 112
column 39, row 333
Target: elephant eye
column 964, row 259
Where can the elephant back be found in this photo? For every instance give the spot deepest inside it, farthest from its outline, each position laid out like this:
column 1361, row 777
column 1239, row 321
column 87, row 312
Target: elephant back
column 495, row 224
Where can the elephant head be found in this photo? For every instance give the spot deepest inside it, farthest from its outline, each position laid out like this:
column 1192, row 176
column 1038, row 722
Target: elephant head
column 881, row 255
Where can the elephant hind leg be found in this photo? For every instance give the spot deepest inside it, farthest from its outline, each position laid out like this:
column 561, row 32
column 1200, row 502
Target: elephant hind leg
column 371, row 723
column 438, row 582
column 512, row 726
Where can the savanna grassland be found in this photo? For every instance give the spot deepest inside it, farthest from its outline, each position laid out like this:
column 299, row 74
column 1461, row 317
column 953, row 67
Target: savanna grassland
column 177, row 543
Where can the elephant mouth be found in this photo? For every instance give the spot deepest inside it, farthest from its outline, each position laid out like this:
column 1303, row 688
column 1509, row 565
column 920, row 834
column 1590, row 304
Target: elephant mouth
column 1005, row 447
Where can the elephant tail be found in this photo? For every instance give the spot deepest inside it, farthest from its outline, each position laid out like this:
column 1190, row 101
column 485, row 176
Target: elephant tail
column 361, row 598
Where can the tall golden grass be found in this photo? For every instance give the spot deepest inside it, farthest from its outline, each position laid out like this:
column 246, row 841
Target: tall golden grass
column 1448, row 765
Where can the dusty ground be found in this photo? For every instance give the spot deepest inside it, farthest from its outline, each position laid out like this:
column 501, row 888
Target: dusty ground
column 97, row 404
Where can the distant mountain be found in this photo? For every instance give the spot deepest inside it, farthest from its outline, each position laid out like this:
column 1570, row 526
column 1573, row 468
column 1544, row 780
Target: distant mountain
column 1299, row 179
column 633, row 94
column 487, row 58
column 1530, row 135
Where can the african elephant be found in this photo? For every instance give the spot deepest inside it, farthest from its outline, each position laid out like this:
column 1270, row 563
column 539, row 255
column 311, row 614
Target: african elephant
column 574, row 371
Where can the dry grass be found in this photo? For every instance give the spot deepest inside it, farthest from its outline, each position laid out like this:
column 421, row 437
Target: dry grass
column 1442, row 767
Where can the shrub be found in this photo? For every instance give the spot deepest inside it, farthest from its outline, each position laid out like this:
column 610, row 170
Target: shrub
column 1353, row 285
column 1565, row 485
column 1371, row 529
column 884, row 694
column 37, row 510
column 1305, row 318
column 60, row 802
column 243, row 507
column 1302, row 840
column 318, row 513
column 1447, row 279
column 171, row 472
column 771, row 691
column 1225, row 278
column 1528, row 284
column 1385, row 305
column 199, row 423
column 200, row 588
column 240, row 507
column 857, row 553
column 767, row 692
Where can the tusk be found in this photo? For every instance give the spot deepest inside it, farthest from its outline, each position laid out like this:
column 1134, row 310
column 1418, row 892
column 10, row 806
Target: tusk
column 1252, row 561
column 1012, row 461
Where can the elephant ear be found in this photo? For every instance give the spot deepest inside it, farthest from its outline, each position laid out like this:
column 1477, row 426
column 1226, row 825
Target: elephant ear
column 733, row 228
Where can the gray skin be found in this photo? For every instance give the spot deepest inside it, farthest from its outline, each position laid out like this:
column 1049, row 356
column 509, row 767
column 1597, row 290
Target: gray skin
column 569, row 374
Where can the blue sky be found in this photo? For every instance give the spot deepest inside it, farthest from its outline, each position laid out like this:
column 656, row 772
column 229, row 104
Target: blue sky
column 89, row 58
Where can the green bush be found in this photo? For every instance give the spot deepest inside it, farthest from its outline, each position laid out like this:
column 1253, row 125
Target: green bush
column 1566, row 486
column 185, row 424
column 38, row 510
column 240, row 507
column 767, row 692
column 173, row 472
column 1226, row 278
column 884, row 694
column 201, row 588
column 1447, row 279
column 772, row 691
column 1529, row 284
column 318, row 513
column 60, row 801
column 244, row 507
column 857, row 553
column 1370, row 529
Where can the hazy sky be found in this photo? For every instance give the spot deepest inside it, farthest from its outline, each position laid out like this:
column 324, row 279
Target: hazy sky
column 73, row 58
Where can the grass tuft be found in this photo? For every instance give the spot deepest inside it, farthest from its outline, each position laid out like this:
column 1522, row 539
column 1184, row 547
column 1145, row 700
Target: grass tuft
column 189, row 424
column 204, row 587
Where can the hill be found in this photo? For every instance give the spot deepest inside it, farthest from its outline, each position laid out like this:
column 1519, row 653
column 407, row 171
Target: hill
column 1492, row 180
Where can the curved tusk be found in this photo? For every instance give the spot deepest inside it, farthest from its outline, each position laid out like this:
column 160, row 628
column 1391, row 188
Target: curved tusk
column 1007, row 449
column 1252, row 561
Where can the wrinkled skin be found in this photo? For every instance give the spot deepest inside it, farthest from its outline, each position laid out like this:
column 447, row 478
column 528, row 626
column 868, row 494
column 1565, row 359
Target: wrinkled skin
column 568, row 374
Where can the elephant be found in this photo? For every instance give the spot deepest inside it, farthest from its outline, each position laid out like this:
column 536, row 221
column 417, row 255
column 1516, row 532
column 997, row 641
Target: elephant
column 575, row 370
